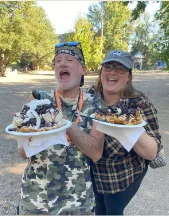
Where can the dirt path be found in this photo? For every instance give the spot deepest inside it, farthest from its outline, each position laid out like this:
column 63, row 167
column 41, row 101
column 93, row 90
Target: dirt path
column 152, row 198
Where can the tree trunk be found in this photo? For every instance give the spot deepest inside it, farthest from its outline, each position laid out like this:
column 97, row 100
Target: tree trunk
column 38, row 67
column 3, row 65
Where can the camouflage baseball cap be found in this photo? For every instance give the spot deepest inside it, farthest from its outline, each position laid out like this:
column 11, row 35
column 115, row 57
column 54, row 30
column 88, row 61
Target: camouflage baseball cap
column 71, row 50
column 123, row 58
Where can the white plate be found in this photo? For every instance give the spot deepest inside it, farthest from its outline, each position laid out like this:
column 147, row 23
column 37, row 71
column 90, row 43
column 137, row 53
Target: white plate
column 28, row 134
column 143, row 123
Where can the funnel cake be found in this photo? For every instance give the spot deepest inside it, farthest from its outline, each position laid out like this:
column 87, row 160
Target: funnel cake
column 37, row 116
column 116, row 115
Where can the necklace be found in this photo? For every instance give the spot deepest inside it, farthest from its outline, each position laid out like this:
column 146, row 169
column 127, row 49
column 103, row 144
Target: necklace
column 79, row 106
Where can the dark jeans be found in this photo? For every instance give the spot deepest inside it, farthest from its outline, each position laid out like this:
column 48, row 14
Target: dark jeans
column 114, row 204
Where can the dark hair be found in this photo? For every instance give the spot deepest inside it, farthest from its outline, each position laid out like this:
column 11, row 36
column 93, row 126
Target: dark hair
column 82, row 81
column 128, row 92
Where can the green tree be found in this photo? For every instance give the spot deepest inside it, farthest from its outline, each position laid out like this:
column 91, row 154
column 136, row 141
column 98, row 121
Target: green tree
column 96, row 16
column 41, row 38
column 11, row 33
column 138, row 10
column 114, row 24
column 145, row 37
column 163, row 45
column 24, row 31
column 91, row 44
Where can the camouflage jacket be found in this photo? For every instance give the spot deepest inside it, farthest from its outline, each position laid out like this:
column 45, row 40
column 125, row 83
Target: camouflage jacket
column 57, row 180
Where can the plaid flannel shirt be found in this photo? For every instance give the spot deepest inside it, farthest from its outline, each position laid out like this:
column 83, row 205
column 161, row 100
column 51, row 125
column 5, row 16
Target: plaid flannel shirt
column 118, row 168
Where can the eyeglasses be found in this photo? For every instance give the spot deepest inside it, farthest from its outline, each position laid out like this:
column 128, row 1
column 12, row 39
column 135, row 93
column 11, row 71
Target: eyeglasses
column 71, row 44
column 117, row 68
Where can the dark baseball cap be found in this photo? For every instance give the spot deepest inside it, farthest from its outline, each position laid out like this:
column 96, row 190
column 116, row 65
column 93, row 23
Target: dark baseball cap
column 123, row 58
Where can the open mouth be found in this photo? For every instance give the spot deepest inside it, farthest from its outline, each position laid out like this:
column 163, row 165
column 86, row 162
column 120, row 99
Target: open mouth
column 112, row 81
column 64, row 75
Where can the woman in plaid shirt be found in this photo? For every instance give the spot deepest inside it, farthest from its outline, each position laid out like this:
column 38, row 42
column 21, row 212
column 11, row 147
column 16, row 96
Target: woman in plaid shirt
column 118, row 174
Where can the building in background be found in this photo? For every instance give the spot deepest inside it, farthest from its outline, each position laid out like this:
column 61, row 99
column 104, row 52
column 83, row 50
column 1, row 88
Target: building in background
column 138, row 60
column 160, row 65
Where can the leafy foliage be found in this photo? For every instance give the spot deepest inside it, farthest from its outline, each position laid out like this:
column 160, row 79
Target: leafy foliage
column 116, row 26
column 27, row 36
column 163, row 45
column 91, row 44
column 95, row 15
column 145, row 38
column 25, row 33
column 139, row 9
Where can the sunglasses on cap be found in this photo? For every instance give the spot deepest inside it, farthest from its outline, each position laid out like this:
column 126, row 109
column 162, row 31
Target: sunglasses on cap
column 67, row 44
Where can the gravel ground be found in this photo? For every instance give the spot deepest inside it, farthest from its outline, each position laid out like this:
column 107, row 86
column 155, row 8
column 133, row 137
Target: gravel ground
column 153, row 196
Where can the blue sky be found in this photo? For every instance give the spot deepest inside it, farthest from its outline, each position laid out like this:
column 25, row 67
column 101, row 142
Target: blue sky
column 63, row 14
